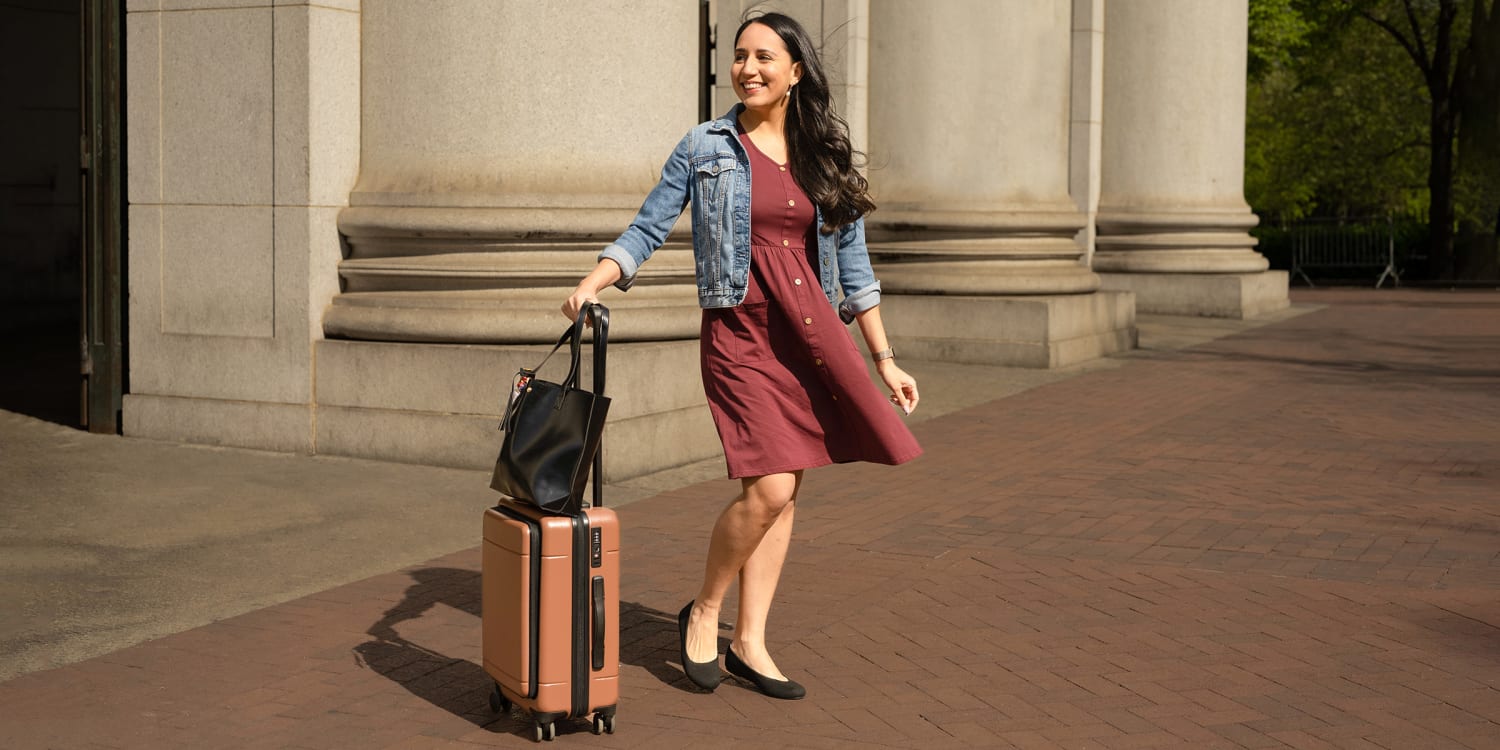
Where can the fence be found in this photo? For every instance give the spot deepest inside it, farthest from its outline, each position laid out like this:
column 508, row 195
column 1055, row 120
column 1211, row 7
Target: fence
column 1343, row 246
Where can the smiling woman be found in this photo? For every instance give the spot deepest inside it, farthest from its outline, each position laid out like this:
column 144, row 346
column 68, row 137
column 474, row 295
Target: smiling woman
column 778, row 234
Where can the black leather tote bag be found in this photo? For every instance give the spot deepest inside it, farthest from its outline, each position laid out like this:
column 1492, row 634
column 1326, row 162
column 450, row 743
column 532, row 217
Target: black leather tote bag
column 553, row 430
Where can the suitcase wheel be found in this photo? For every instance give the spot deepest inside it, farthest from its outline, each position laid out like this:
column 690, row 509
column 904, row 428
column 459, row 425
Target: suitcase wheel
column 498, row 702
column 604, row 724
column 545, row 731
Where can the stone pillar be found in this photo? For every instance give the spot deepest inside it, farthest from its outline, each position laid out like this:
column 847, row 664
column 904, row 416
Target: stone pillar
column 505, row 143
column 1172, row 222
column 975, row 235
column 243, row 132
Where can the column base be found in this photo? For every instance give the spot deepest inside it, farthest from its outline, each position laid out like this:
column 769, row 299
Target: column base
column 1042, row 331
column 284, row 428
column 1213, row 295
column 440, row 405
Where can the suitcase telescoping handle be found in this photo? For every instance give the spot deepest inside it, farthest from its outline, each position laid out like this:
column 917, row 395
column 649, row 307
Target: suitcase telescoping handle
column 600, row 315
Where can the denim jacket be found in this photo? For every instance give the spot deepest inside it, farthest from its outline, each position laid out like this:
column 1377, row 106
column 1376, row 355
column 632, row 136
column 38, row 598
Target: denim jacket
column 710, row 169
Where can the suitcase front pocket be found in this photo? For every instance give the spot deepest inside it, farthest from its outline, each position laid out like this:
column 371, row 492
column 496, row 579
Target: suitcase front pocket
column 512, row 596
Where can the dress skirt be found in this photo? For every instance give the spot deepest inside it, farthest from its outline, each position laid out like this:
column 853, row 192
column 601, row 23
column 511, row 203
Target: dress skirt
column 786, row 384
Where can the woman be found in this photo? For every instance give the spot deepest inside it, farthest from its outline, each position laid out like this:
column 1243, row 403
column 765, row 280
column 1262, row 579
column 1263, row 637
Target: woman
column 777, row 223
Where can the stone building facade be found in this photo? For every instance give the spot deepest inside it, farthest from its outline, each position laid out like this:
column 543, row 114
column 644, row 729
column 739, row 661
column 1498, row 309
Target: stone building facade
column 350, row 221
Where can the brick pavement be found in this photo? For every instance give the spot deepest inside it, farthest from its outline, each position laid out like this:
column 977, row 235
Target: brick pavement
column 1285, row 538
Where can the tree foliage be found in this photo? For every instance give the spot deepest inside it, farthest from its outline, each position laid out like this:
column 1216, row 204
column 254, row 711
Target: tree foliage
column 1277, row 32
column 1336, row 131
column 1375, row 107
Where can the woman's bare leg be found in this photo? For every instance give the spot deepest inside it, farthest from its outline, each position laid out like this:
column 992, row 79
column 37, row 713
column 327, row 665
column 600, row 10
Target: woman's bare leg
column 740, row 528
column 758, row 578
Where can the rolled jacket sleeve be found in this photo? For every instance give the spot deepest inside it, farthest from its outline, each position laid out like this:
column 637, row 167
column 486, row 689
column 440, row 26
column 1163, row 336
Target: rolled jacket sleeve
column 858, row 302
column 629, row 267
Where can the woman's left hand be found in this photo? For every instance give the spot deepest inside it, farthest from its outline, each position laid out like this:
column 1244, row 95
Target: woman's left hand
column 903, row 387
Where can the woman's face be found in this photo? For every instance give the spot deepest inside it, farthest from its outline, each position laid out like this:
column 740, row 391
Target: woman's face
column 763, row 70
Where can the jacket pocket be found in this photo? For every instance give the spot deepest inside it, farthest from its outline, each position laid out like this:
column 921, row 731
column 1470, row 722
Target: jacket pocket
column 714, row 178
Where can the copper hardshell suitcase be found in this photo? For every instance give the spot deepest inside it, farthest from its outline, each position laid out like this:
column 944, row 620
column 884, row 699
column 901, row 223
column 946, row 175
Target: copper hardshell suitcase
column 551, row 613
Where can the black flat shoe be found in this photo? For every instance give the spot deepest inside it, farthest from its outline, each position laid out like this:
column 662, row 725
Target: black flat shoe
column 783, row 689
column 704, row 674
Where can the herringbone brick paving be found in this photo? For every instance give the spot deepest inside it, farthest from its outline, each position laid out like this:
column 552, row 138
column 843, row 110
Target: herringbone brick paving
column 1286, row 538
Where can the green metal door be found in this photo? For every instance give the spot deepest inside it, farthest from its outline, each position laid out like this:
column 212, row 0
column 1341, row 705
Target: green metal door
column 102, row 160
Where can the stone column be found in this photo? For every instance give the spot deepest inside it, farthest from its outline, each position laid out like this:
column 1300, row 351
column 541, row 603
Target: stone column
column 243, row 135
column 975, row 235
column 1172, row 222
column 505, row 143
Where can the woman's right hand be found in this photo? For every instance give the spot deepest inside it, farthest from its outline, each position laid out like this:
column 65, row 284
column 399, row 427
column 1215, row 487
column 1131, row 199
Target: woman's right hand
column 583, row 295
column 604, row 274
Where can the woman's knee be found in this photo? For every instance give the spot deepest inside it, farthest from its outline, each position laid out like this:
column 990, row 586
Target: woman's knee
column 771, row 494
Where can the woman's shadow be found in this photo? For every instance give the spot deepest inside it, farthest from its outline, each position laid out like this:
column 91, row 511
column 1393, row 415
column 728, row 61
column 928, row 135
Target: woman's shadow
column 648, row 639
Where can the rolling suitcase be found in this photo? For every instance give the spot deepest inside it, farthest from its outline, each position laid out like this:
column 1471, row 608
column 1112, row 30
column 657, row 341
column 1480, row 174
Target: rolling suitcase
column 551, row 613
column 550, row 606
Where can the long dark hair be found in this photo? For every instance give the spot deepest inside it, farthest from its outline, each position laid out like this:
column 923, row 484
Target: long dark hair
column 817, row 140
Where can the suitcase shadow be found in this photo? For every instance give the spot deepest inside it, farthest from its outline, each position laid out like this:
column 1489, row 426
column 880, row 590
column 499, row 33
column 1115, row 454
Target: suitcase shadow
column 453, row 684
column 648, row 639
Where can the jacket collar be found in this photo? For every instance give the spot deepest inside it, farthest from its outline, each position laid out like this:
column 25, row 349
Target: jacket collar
column 729, row 120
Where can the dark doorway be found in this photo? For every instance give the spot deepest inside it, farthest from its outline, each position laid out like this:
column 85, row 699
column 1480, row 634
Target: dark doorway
column 61, row 210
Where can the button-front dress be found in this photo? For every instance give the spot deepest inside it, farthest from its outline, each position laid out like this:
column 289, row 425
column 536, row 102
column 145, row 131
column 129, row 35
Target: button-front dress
column 786, row 385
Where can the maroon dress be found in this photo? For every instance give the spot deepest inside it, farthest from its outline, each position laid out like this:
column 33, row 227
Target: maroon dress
column 786, row 385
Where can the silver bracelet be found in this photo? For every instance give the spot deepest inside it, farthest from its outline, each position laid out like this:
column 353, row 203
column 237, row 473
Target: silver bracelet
column 884, row 354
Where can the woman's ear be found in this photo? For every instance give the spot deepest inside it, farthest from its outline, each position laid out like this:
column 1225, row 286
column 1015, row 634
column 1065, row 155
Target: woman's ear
column 796, row 73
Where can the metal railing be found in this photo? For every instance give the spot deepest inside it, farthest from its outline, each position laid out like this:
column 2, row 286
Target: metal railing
column 1332, row 244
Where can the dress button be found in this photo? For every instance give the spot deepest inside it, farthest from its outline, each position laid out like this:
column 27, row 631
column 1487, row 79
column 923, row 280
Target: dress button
column 835, row 396
column 782, row 168
column 807, row 321
column 785, row 243
column 791, row 203
column 818, row 362
column 798, row 282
